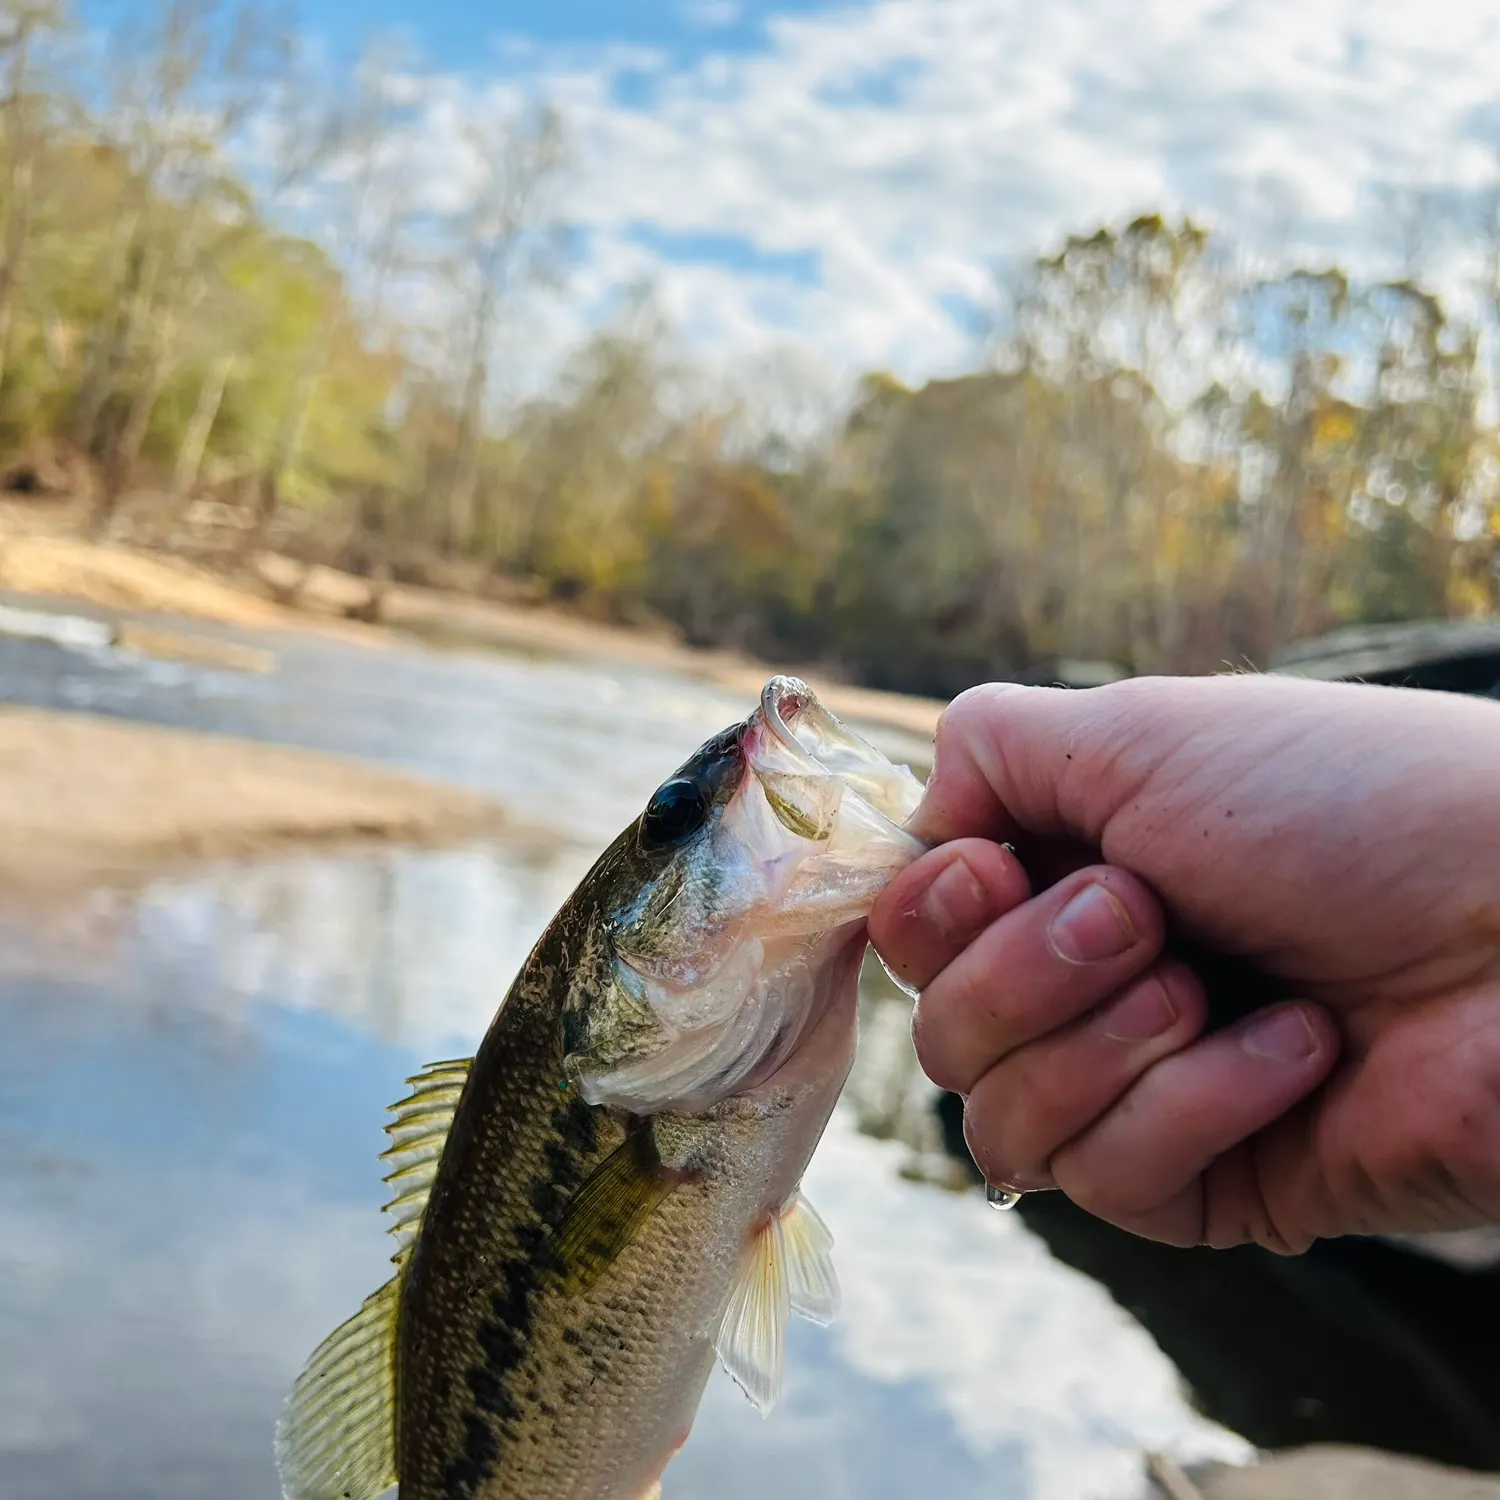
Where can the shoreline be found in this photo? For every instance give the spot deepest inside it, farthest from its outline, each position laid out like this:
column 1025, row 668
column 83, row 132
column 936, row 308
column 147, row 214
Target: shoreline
column 44, row 562
column 95, row 801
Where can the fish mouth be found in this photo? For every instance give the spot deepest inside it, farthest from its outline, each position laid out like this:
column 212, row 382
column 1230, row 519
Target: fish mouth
column 812, row 748
column 806, row 842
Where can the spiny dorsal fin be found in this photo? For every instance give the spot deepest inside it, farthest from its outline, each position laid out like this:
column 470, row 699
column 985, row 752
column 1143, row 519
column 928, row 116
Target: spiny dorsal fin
column 786, row 1268
column 336, row 1440
column 417, row 1131
column 337, row 1437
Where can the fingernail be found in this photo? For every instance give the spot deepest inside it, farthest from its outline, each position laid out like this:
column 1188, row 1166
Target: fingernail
column 955, row 904
column 1093, row 926
column 1284, row 1036
column 1145, row 1012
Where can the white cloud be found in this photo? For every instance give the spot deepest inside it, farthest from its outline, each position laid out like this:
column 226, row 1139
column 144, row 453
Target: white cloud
column 902, row 149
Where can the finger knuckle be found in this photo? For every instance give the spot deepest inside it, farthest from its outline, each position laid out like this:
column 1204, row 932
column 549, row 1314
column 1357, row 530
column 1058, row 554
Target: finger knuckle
column 1260, row 1227
column 969, row 721
column 1271, row 1238
column 1246, row 1204
column 966, row 1012
column 974, row 706
column 1055, row 1091
column 986, row 1142
column 935, row 1053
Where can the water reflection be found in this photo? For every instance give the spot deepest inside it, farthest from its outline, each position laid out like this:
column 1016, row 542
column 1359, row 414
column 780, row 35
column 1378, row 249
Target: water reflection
column 193, row 1193
column 415, row 949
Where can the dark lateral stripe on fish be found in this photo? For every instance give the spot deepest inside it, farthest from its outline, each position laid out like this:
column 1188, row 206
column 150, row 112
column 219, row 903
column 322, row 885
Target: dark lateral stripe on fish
column 505, row 1337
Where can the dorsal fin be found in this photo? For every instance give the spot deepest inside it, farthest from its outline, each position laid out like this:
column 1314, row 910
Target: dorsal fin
column 418, row 1130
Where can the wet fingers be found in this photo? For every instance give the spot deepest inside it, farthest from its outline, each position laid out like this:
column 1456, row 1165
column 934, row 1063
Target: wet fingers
column 1142, row 1164
column 1035, row 969
column 1033, row 1102
column 937, row 906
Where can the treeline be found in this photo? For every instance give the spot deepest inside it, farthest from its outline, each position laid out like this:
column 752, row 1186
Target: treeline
column 233, row 319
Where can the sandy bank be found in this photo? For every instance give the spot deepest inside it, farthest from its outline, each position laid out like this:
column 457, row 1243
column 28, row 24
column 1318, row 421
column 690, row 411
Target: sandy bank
column 87, row 800
column 63, row 567
column 428, row 612
column 37, row 559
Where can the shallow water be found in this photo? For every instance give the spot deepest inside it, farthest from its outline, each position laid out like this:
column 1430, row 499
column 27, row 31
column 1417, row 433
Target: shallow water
column 194, row 1090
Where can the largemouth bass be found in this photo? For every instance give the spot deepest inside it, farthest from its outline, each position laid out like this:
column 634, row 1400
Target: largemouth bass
column 607, row 1195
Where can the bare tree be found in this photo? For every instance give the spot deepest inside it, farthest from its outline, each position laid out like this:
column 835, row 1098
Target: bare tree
column 503, row 239
column 179, row 101
column 200, row 425
column 358, row 156
column 153, row 76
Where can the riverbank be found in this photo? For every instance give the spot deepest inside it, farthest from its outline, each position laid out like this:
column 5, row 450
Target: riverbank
column 42, row 557
column 88, row 801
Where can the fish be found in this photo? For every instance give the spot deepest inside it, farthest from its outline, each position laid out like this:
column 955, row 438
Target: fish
column 606, row 1198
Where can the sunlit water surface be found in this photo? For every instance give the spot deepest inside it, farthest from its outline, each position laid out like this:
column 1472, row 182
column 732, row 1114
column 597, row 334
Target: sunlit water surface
column 193, row 1090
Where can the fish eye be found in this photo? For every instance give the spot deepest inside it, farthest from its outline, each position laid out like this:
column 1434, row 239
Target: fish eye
column 677, row 811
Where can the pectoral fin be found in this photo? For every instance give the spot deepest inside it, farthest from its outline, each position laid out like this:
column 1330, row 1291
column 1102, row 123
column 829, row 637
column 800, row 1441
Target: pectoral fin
column 608, row 1211
column 786, row 1267
column 813, row 1283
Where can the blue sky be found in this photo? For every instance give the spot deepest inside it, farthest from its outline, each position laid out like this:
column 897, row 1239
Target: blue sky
column 466, row 34
column 456, row 32
column 838, row 184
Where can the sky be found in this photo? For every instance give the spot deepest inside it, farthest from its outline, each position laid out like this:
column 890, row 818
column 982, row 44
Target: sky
column 837, row 187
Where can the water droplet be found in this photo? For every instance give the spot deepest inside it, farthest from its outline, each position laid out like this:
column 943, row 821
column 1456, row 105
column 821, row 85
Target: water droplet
column 1001, row 1198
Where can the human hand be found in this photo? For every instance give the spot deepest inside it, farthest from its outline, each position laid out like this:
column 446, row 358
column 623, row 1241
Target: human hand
column 1343, row 839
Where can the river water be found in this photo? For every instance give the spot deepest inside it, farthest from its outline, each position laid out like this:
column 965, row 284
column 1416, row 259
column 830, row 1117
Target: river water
column 193, row 1089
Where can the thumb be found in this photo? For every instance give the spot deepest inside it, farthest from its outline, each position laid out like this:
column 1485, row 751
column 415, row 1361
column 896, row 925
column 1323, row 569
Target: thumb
column 1246, row 802
column 1013, row 761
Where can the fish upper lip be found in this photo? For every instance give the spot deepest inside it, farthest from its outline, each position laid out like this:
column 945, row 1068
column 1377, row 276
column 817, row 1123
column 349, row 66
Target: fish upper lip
column 794, row 694
column 783, row 700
